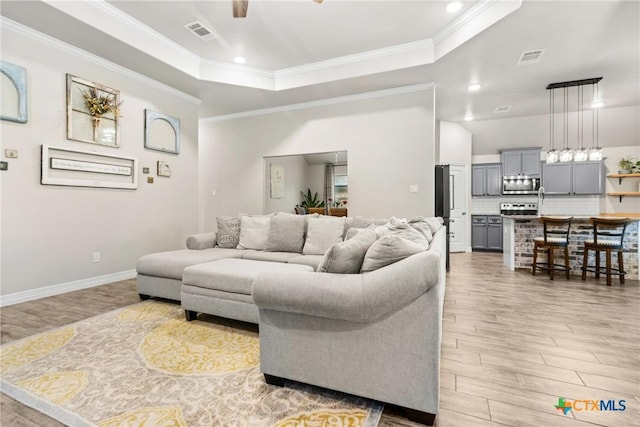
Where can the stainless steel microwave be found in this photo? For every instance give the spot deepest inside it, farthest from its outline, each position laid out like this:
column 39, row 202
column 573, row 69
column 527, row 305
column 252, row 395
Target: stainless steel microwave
column 520, row 184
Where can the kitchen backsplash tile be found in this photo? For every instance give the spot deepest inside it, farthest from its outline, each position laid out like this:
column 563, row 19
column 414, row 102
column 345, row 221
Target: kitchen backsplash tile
column 578, row 206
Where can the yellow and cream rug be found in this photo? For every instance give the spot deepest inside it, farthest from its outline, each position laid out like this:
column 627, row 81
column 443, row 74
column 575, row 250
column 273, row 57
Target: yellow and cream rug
column 144, row 365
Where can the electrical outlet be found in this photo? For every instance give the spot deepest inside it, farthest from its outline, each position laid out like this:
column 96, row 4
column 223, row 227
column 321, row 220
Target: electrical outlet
column 96, row 257
column 10, row 153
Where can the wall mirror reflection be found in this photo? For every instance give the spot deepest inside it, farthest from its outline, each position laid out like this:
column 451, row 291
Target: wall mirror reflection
column 288, row 180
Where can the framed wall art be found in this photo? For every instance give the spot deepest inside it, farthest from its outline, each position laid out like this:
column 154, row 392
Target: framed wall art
column 164, row 169
column 13, row 91
column 161, row 132
column 93, row 112
column 78, row 168
column 277, row 182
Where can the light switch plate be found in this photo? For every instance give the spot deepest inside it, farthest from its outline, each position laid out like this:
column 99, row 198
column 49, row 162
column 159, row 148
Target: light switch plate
column 10, row 153
column 4, row 166
column 413, row 188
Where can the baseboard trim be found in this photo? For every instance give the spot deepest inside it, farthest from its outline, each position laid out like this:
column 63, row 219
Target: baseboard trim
column 48, row 291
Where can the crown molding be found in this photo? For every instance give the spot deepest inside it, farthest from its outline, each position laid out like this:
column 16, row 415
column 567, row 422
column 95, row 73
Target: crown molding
column 321, row 102
column 29, row 32
column 99, row 13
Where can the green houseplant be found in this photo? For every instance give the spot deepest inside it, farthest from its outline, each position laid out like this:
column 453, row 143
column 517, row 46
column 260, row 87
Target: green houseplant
column 310, row 202
column 626, row 164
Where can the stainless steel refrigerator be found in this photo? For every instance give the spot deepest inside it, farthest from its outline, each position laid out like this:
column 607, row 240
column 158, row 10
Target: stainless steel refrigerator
column 443, row 199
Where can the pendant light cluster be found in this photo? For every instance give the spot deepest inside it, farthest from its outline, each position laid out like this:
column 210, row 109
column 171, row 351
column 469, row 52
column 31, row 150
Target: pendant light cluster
column 581, row 153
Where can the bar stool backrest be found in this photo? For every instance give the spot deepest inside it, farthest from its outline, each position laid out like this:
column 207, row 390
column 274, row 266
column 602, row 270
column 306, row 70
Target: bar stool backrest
column 556, row 227
column 609, row 231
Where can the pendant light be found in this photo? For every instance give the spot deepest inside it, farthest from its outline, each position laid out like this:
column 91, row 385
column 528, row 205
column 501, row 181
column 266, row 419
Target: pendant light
column 566, row 155
column 595, row 153
column 581, row 154
column 552, row 154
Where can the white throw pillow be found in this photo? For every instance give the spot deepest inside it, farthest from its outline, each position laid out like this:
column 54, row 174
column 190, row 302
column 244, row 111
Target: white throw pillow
column 254, row 231
column 322, row 232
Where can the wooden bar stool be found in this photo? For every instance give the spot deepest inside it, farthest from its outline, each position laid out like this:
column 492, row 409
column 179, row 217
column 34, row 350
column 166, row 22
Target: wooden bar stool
column 555, row 236
column 608, row 234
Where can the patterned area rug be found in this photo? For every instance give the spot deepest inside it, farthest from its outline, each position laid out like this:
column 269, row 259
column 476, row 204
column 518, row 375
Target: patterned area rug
column 144, row 365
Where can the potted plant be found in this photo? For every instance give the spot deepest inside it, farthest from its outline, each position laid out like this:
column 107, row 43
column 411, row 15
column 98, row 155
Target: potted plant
column 311, row 203
column 636, row 167
column 626, row 164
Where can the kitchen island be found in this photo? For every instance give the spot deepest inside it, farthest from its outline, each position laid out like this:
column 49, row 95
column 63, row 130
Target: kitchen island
column 519, row 231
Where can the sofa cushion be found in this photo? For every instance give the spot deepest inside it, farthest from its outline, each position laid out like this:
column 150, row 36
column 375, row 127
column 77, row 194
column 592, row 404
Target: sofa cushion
column 286, row 233
column 228, row 232
column 232, row 275
column 310, row 260
column 391, row 248
column 421, row 224
column 254, row 231
column 435, row 223
column 322, row 232
column 268, row 256
column 171, row 264
column 346, row 257
column 364, row 222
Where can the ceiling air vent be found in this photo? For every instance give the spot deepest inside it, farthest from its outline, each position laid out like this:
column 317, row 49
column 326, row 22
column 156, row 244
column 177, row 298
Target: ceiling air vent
column 530, row 57
column 202, row 32
column 502, row 109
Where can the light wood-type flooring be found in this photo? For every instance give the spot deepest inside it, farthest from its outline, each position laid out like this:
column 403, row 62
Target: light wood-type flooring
column 512, row 345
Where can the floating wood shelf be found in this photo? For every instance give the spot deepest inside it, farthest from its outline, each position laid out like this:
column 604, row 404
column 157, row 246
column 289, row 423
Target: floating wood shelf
column 622, row 194
column 621, row 176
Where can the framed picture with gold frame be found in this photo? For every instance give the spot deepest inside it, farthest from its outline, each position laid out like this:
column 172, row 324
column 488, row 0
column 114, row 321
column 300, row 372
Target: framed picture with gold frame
column 93, row 112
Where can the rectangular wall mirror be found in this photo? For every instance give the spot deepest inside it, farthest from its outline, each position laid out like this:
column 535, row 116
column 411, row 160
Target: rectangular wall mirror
column 326, row 174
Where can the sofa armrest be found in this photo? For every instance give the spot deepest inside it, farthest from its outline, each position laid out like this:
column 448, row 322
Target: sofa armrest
column 201, row 241
column 358, row 298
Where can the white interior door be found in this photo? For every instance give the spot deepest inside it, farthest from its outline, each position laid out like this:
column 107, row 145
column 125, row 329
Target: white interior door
column 458, row 218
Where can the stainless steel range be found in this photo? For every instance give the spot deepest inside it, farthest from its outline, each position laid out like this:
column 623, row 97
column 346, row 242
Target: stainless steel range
column 519, row 208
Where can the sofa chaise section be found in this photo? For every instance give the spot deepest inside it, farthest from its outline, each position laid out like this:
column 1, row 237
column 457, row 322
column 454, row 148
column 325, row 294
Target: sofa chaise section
column 160, row 274
column 375, row 335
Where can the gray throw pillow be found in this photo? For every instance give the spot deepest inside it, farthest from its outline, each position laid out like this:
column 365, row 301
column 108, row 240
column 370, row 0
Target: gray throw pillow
column 228, row 234
column 389, row 249
column 286, row 233
column 346, row 257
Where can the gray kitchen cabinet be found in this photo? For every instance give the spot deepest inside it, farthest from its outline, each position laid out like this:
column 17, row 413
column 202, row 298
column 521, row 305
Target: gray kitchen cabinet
column 573, row 178
column 588, row 177
column 521, row 162
column 556, row 178
column 486, row 232
column 486, row 179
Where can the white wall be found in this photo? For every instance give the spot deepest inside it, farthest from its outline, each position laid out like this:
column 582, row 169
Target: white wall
column 315, row 180
column 455, row 144
column 618, row 127
column 390, row 141
column 49, row 233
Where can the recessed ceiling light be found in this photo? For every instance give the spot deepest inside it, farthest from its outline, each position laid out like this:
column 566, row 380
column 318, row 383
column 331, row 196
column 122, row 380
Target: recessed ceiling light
column 597, row 104
column 239, row 59
column 473, row 87
column 454, row 6
column 468, row 118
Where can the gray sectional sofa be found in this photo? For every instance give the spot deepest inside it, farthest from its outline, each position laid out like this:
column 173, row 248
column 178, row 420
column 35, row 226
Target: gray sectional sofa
column 351, row 304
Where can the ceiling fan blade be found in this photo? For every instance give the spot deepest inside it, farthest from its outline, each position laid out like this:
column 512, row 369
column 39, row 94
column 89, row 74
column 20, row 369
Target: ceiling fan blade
column 240, row 8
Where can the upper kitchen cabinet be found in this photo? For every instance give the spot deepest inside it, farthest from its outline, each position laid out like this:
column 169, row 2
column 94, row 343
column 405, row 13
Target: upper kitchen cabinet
column 588, row 177
column 525, row 161
column 486, row 179
column 573, row 178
